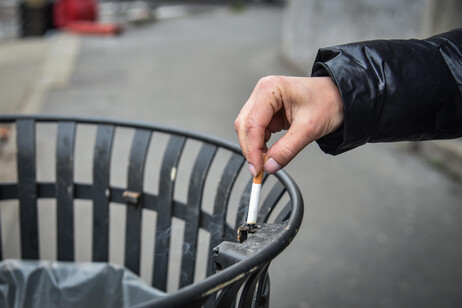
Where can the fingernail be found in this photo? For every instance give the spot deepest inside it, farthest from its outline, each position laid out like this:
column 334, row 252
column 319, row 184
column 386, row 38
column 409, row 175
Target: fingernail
column 271, row 166
column 252, row 170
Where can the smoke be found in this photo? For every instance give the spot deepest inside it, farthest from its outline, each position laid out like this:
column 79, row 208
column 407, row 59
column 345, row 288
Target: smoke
column 187, row 251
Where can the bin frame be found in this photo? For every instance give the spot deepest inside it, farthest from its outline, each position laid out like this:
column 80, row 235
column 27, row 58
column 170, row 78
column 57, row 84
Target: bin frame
column 222, row 289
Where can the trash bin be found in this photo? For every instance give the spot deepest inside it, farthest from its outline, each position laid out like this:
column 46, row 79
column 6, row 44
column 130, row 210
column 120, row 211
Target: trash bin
column 35, row 17
column 192, row 190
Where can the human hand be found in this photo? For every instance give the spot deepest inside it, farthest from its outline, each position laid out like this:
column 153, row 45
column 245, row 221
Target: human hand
column 308, row 107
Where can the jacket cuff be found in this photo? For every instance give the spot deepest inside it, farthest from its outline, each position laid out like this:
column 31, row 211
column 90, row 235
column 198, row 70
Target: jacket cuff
column 354, row 130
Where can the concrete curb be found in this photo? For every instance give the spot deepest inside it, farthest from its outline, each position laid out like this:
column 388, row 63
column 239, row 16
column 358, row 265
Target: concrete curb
column 55, row 71
column 50, row 69
column 444, row 155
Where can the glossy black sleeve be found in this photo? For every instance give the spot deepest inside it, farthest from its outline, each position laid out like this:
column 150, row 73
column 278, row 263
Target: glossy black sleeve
column 394, row 90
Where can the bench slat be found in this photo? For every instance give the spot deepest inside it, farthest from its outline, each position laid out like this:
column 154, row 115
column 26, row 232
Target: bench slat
column 27, row 188
column 193, row 206
column 165, row 210
column 138, row 153
column 65, row 189
column 220, row 207
column 101, row 178
column 270, row 202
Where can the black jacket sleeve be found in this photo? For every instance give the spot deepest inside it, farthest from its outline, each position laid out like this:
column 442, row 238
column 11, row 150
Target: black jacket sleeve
column 395, row 90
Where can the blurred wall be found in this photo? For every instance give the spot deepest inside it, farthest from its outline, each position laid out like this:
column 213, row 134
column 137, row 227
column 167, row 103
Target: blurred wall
column 311, row 24
column 442, row 15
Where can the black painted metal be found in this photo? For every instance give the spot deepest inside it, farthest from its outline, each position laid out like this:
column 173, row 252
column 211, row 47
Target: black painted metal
column 216, row 290
column 220, row 209
column 243, row 208
column 284, row 214
column 191, row 230
column 27, row 188
column 65, row 189
column 262, row 295
column 8, row 191
column 248, row 291
column 164, row 213
column 139, row 150
column 270, row 202
column 227, row 296
column 101, row 169
column 1, row 242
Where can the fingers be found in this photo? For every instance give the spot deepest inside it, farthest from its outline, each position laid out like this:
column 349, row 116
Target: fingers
column 309, row 107
column 254, row 123
column 285, row 149
column 252, row 137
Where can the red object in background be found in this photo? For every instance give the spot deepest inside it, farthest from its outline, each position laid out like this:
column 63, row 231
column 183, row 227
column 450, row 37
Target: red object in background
column 69, row 11
column 86, row 27
column 79, row 16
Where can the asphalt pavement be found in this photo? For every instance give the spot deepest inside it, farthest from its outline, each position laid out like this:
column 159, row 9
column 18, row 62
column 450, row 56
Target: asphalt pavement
column 381, row 228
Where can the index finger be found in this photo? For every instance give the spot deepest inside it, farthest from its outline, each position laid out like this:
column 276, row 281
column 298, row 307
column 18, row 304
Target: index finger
column 266, row 102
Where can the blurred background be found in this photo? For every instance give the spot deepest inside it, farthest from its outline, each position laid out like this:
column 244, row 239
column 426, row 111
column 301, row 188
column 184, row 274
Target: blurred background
column 383, row 223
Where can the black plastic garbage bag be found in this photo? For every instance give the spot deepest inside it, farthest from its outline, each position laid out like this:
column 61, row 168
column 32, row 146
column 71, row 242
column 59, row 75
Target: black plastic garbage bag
column 70, row 284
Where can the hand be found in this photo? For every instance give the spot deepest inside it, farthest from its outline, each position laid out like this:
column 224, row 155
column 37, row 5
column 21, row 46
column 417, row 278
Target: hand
column 309, row 107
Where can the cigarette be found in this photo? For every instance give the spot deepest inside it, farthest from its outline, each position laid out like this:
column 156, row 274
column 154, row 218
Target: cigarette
column 255, row 198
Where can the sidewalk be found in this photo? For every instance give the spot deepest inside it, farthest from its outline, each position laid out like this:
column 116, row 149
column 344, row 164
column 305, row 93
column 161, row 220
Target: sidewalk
column 31, row 67
column 444, row 155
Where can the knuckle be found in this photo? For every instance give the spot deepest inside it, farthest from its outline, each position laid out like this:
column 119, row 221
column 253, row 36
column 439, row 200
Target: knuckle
column 270, row 80
column 237, row 124
column 250, row 127
column 273, row 86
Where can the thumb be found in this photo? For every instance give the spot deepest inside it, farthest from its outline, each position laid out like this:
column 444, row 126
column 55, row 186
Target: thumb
column 287, row 147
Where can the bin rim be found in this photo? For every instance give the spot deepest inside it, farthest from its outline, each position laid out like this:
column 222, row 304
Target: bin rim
column 236, row 272
column 5, row 118
column 240, row 270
